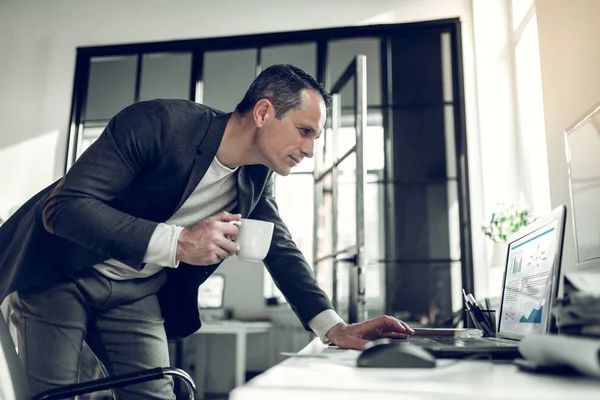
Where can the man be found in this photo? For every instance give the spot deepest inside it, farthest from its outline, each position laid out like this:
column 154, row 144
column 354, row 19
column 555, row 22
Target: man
column 142, row 219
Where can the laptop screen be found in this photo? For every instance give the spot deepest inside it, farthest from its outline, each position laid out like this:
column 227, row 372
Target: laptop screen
column 528, row 282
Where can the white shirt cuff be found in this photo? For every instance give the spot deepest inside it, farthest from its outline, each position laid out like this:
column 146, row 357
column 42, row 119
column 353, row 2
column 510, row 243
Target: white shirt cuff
column 162, row 248
column 323, row 322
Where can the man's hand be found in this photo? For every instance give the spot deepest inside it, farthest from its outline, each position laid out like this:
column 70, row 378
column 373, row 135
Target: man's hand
column 355, row 336
column 208, row 241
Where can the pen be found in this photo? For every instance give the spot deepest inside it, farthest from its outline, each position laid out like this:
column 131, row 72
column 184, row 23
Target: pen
column 472, row 298
column 488, row 303
column 483, row 320
column 467, row 306
column 492, row 320
column 487, row 316
column 466, row 299
column 480, row 307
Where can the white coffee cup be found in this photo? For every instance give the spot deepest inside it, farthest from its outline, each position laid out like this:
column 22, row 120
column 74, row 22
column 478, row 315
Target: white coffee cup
column 253, row 239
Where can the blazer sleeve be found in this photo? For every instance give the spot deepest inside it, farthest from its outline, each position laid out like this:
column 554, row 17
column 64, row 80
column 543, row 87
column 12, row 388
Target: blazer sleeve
column 79, row 208
column 288, row 267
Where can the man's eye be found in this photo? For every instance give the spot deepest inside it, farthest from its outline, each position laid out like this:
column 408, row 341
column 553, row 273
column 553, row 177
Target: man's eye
column 305, row 131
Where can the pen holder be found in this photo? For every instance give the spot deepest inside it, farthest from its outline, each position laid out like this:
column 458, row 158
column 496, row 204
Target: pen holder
column 488, row 325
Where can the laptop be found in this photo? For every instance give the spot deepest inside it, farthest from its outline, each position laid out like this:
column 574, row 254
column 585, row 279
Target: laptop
column 211, row 295
column 211, row 292
column 529, row 288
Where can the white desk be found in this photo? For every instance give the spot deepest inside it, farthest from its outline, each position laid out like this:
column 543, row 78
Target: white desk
column 241, row 330
column 327, row 373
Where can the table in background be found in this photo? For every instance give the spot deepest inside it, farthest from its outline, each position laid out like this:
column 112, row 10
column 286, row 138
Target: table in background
column 319, row 372
column 241, row 330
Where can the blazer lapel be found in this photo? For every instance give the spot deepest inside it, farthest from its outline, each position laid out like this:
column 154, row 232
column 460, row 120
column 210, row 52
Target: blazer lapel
column 245, row 192
column 206, row 152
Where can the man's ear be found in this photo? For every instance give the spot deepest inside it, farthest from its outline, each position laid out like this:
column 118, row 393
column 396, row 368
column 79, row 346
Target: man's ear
column 263, row 110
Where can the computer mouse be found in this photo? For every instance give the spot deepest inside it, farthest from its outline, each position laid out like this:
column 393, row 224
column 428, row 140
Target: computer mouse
column 389, row 353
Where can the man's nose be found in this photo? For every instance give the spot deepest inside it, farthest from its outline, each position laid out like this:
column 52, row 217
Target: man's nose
column 308, row 148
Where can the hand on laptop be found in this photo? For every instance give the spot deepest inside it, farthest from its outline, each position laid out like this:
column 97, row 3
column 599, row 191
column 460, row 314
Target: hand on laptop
column 355, row 336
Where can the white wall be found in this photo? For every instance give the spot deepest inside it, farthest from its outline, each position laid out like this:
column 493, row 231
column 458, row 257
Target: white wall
column 570, row 62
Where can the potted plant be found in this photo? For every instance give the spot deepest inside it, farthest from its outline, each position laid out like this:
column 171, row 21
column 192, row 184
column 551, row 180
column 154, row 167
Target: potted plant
column 506, row 220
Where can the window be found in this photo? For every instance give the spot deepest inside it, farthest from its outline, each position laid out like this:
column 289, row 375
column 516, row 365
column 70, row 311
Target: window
column 227, row 75
column 115, row 82
column 531, row 128
column 294, row 194
column 217, row 71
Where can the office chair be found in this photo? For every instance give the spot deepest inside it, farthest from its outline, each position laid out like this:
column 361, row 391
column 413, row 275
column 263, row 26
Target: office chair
column 13, row 382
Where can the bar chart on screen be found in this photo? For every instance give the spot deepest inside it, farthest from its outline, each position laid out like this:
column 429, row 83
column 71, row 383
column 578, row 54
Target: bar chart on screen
column 535, row 316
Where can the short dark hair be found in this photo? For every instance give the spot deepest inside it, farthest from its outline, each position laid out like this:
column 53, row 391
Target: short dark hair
column 282, row 85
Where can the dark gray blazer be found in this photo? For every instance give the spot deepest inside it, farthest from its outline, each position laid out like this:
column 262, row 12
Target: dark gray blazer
column 142, row 168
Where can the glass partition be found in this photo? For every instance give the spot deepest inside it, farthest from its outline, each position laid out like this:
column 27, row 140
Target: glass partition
column 111, row 86
column 165, row 76
column 226, row 77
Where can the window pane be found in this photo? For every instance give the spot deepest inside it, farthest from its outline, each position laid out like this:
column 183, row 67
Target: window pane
column 89, row 136
column 343, row 288
column 374, row 243
column 374, row 284
column 447, row 89
column 346, row 203
column 325, row 228
column 166, row 76
column 325, row 276
column 531, row 119
column 418, row 70
column 424, row 291
column 427, row 221
column 111, row 86
column 345, row 137
column 373, row 140
column 449, row 139
column 303, row 56
column 307, row 165
column 374, row 154
column 421, row 136
column 227, row 75
column 295, row 195
column 341, row 52
column 324, row 148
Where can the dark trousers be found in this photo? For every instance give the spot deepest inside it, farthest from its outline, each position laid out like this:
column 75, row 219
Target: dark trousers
column 120, row 321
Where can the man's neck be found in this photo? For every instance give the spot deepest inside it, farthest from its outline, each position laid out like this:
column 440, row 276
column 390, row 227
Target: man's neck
column 237, row 146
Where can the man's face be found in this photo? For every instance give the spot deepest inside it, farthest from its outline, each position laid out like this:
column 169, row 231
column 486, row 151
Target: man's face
column 285, row 143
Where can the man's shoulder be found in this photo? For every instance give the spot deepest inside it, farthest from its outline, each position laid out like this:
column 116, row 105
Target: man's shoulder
column 177, row 116
column 178, row 106
column 171, row 108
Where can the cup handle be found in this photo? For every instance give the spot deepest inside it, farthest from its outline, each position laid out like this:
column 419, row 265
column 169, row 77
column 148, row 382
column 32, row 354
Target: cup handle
column 236, row 223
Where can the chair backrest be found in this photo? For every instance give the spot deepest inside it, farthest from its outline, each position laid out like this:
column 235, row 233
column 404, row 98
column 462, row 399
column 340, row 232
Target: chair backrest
column 13, row 382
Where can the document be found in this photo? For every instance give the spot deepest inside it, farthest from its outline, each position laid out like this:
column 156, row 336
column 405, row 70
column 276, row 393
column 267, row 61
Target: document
column 583, row 354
